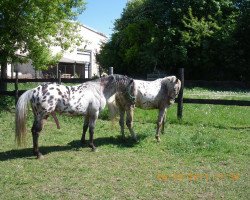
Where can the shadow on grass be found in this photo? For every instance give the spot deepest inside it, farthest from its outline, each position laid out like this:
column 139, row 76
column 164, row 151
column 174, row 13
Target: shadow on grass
column 73, row 145
column 116, row 141
column 28, row 152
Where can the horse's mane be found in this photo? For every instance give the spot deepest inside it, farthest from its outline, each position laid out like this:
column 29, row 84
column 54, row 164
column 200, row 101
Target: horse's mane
column 168, row 83
column 169, row 79
column 116, row 77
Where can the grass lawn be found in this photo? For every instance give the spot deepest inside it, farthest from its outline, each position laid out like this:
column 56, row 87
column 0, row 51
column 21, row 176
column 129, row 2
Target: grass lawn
column 204, row 156
column 221, row 93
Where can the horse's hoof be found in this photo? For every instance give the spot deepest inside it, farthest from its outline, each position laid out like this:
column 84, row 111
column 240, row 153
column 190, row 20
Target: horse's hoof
column 92, row 146
column 94, row 149
column 40, row 157
column 158, row 139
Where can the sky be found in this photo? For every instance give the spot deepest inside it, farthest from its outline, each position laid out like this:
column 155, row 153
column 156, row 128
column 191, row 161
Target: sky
column 101, row 14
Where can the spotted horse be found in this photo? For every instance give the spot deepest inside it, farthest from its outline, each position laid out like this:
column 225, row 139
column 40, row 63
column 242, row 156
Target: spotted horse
column 159, row 94
column 87, row 99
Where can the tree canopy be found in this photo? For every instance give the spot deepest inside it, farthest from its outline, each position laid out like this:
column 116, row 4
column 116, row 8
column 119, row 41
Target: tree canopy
column 209, row 38
column 31, row 27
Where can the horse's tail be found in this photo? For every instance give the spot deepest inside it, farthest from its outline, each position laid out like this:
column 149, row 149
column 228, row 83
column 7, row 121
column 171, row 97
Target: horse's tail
column 21, row 115
column 112, row 107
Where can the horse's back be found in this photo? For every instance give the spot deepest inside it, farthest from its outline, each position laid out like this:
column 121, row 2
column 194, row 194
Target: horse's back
column 147, row 92
column 45, row 97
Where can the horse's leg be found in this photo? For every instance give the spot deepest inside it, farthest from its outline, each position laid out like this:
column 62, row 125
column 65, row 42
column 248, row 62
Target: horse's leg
column 53, row 114
column 129, row 121
column 159, row 123
column 121, row 121
column 163, row 122
column 84, row 129
column 92, row 122
column 36, row 129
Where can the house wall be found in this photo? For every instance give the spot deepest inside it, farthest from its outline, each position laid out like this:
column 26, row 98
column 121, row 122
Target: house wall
column 85, row 53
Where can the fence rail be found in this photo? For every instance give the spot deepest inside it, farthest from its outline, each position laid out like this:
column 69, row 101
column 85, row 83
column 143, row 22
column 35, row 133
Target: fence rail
column 218, row 102
column 17, row 93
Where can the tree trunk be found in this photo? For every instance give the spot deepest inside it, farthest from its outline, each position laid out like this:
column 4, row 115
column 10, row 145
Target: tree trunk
column 3, row 86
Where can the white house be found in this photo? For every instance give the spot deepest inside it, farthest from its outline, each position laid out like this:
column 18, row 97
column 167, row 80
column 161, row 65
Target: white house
column 81, row 62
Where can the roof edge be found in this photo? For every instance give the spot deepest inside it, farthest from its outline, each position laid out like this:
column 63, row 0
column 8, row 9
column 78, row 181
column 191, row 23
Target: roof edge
column 93, row 30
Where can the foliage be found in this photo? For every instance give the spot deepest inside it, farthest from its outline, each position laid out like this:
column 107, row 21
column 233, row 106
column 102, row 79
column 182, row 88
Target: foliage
column 241, row 39
column 31, row 27
column 205, row 37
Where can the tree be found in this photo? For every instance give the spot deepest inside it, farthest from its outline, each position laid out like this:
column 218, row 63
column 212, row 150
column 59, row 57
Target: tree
column 166, row 34
column 241, row 38
column 31, row 27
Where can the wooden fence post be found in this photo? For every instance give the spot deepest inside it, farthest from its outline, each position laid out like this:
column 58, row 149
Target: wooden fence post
column 16, row 87
column 111, row 70
column 59, row 77
column 180, row 96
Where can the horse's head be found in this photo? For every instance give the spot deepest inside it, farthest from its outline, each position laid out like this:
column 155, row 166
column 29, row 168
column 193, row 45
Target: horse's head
column 130, row 92
column 173, row 86
column 122, row 84
column 126, row 86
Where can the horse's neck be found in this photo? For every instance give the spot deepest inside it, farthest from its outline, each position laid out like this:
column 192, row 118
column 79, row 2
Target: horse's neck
column 109, row 93
column 99, row 89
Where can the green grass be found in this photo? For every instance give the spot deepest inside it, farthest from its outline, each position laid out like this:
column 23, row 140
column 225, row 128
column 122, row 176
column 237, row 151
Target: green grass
column 204, row 156
column 203, row 93
column 22, row 86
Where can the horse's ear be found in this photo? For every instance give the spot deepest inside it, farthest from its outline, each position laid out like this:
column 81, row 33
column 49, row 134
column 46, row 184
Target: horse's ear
column 111, row 78
column 131, row 81
column 171, row 79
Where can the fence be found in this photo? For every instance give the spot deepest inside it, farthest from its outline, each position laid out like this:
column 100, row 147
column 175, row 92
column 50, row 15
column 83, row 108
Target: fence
column 180, row 100
column 18, row 92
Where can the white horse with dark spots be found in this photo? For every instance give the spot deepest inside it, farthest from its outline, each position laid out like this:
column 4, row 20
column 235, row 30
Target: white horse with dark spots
column 158, row 94
column 87, row 99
